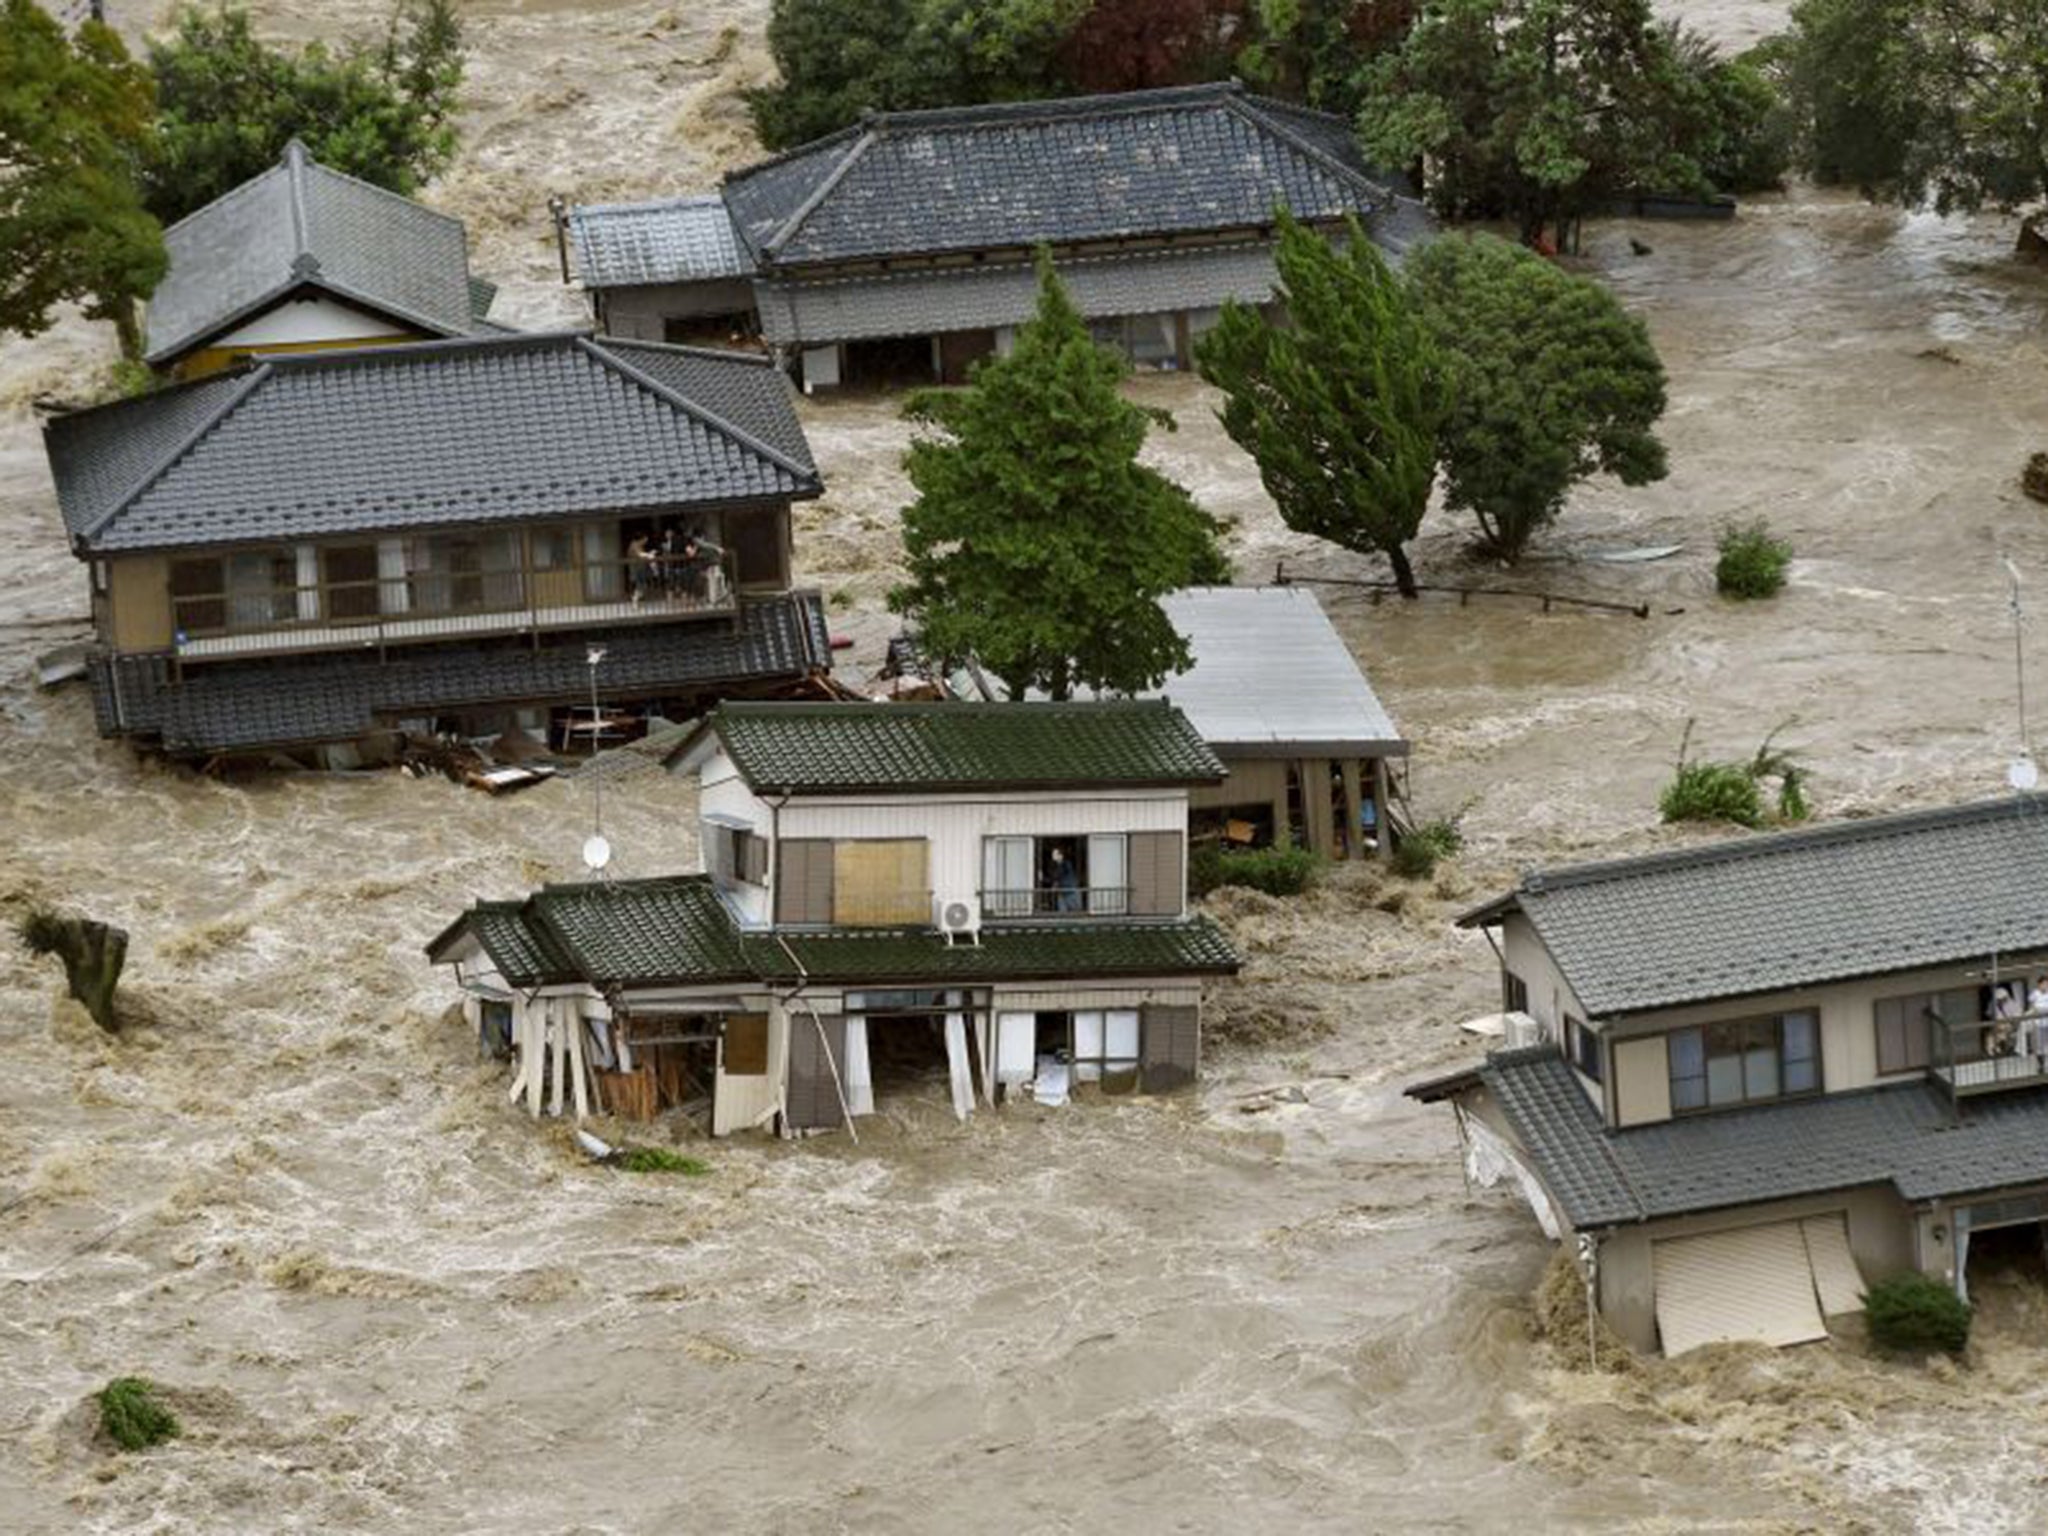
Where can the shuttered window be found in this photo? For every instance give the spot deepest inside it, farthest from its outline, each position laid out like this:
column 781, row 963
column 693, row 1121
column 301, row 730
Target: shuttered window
column 746, row 1045
column 1905, row 1033
column 803, row 881
column 735, row 853
column 1158, row 879
column 880, row 883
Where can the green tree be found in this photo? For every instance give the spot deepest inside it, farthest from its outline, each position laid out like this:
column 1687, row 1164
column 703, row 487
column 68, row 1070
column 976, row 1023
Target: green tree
column 1038, row 543
column 1916, row 101
column 1538, row 110
column 1339, row 405
column 1744, row 127
column 74, row 120
column 380, row 108
column 1551, row 381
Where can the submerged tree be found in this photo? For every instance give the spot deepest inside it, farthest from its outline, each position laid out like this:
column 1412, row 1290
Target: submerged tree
column 74, row 122
column 380, row 108
column 1550, row 379
column 1038, row 543
column 1340, row 404
column 93, row 954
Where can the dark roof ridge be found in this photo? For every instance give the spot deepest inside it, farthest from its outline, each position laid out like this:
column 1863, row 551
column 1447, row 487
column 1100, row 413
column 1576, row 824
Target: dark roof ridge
column 185, row 445
column 1055, row 108
column 794, row 152
column 952, row 709
column 1251, row 109
column 821, row 191
column 583, row 887
column 1771, row 844
column 702, row 413
column 716, row 354
column 637, row 205
column 406, row 351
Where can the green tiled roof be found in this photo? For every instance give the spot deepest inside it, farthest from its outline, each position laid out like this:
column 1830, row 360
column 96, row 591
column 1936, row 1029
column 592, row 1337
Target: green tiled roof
column 649, row 932
column 922, row 748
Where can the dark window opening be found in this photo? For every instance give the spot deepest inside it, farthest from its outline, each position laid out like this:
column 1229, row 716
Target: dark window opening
column 349, row 573
column 1714, row 1066
column 199, row 604
column 1582, row 1048
column 888, row 362
column 1514, row 993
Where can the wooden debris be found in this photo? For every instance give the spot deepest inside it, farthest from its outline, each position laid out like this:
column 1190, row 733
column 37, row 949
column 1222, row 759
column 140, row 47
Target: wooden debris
column 2034, row 478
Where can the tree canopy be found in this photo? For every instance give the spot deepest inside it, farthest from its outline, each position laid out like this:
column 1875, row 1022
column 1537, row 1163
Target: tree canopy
column 1550, row 380
column 75, row 120
column 381, row 108
column 1340, row 405
column 1038, row 543
column 1916, row 101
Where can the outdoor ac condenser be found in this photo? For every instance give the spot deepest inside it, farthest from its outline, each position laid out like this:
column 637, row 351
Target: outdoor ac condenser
column 958, row 918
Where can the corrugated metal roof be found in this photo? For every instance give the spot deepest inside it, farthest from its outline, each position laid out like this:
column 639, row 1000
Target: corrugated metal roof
column 481, row 430
column 301, row 223
column 668, row 240
column 1272, row 675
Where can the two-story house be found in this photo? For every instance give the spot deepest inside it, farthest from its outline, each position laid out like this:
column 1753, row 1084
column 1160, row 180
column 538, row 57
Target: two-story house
column 318, row 547
column 997, row 890
column 1775, row 1068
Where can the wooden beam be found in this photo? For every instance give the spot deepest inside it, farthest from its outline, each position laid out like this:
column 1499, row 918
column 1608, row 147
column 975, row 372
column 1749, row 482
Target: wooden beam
column 1317, row 813
column 1382, row 811
column 1354, row 810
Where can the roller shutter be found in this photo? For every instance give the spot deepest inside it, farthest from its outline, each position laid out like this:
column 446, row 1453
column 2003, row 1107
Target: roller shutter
column 1752, row 1283
column 1836, row 1279
column 812, row 1101
column 1170, row 1045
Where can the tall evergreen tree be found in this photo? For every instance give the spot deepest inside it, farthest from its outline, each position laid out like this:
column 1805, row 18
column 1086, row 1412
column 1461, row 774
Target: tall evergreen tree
column 74, row 121
column 1340, row 405
column 1038, row 543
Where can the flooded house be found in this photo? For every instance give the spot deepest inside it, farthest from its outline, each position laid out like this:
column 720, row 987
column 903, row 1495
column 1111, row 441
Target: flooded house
column 301, row 258
column 992, row 894
column 899, row 249
column 1759, row 1074
column 324, row 547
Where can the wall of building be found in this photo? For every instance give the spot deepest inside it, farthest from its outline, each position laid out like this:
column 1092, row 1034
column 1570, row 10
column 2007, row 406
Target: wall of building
column 642, row 313
column 316, row 318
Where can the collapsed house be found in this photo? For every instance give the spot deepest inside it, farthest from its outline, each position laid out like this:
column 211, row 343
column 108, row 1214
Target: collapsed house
column 993, row 892
column 900, row 248
column 315, row 548
column 1758, row 1074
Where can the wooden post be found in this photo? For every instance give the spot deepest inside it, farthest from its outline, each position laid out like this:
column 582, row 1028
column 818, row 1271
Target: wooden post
column 579, row 1084
column 1382, row 811
column 1354, row 810
column 1183, row 343
column 1317, row 816
column 535, row 1013
column 559, row 1030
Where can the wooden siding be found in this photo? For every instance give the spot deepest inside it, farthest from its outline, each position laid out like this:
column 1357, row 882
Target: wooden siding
column 745, row 1051
column 139, row 600
column 1158, row 874
column 1170, row 1046
column 803, row 888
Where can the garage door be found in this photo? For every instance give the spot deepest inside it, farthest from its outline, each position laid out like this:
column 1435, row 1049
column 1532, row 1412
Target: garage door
column 1836, row 1279
column 1752, row 1283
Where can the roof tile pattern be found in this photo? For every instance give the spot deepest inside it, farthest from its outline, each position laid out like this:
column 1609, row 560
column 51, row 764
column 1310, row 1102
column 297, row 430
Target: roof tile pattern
column 921, row 748
column 1015, row 174
column 300, row 222
column 1765, row 913
column 483, row 430
column 1134, row 949
column 1902, row 1136
column 671, row 240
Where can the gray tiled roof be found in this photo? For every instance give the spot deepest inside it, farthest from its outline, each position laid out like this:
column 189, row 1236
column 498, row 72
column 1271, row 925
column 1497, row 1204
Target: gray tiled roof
column 975, row 298
column 669, row 240
column 338, row 696
column 301, row 223
column 1903, row 1136
column 432, row 434
column 1195, row 946
column 1764, row 913
column 924, row 748
column 1180, row 160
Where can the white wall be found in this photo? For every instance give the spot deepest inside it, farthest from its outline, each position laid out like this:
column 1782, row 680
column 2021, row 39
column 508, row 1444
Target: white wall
column 313, row 319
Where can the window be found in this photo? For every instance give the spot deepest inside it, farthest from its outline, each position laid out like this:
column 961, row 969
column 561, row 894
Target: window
column 1104, row 1043
column 1057, row 876
column 1905, row 1032
column 1582, row 1047
column 736, row 853
column 198, row 597
column 349, row 572
column 1514, row 992
column 756, row 543
column 746, row 1045
column 1714, row 1066
column 554, row 549
column 880, row 882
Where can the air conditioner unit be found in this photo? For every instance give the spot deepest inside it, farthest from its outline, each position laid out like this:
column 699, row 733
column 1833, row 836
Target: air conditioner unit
column 958, row 918
column 1523, row 1031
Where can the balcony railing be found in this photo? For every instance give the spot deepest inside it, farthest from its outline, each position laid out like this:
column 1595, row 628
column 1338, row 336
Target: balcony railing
column 1989, row 1057
column 439, row 605
column 1056, row 901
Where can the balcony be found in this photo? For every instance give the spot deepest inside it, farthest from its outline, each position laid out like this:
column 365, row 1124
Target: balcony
column 1975, row 1058
column 1055, row 902
column 421, row 607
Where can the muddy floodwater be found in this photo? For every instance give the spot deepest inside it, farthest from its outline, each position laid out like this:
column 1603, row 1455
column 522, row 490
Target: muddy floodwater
column 382, row 1300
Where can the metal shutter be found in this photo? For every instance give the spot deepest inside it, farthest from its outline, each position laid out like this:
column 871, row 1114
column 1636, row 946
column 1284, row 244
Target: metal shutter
column 803, row 882
column 1836, row 1278
column 812, row 1099
column 1157, row 881
column 1752, row 1283
column 1170, row 1041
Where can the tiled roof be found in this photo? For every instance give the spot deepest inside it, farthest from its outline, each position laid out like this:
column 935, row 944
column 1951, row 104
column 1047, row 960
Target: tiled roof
column 926, row 748
column 1173, row 161
column 300, row 223
column 1792, row 909
column 338, row 696
column 972, row 298
column 426, row 435
column 676, row 930
column 669, row 240
column 1903, row 1136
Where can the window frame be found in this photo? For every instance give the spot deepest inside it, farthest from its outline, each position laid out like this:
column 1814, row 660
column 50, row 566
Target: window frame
column 1582, row 1044
column 1745, row 1032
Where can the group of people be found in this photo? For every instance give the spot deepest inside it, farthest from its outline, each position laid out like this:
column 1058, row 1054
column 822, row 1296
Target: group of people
column 676, row 562
column 2016, row 1018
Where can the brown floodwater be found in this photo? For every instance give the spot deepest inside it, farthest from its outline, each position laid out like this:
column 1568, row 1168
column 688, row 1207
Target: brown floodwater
column 383, row 1300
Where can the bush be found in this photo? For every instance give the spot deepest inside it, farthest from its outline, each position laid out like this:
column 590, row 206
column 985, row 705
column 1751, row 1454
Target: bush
column 1912, row 1312
column 1752, row 562
column 1282, row 870
column 1704, row 791
column 1417, row 854
column 132, row 1416
column 661, row 1160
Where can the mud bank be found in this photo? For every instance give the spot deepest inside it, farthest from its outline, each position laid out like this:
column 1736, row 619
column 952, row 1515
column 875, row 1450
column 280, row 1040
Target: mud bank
column 296, row 1198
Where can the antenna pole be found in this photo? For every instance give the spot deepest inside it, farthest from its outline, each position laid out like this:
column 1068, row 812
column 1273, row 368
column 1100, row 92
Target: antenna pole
column 596, row 656
column 2019, row 655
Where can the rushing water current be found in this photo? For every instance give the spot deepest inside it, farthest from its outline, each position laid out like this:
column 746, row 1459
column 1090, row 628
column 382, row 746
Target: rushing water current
column 383, row 1300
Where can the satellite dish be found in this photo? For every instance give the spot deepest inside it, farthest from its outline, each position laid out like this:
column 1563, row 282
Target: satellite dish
column 2022, row 774
column 596, row 851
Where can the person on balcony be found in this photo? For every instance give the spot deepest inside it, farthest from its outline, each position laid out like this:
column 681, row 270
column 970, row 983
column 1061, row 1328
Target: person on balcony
column 643, row 566
column 1066, row 883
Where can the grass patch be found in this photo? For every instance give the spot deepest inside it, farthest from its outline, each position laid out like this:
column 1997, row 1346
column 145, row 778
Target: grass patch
column 661, row 1160
column 1705, row 789
column 1753, row 561
column 1417, row 855
column 132, row 1416
column 1913, row 1313
column 1282, row 870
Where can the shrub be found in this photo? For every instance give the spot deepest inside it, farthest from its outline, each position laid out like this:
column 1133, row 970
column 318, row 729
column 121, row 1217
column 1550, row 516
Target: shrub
column 1282, row 870
column 1753, row 561
column 1913, row 1312
column 132, row 1416
column 1417, row 854
column 661, row 1160
column 1703, row 791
